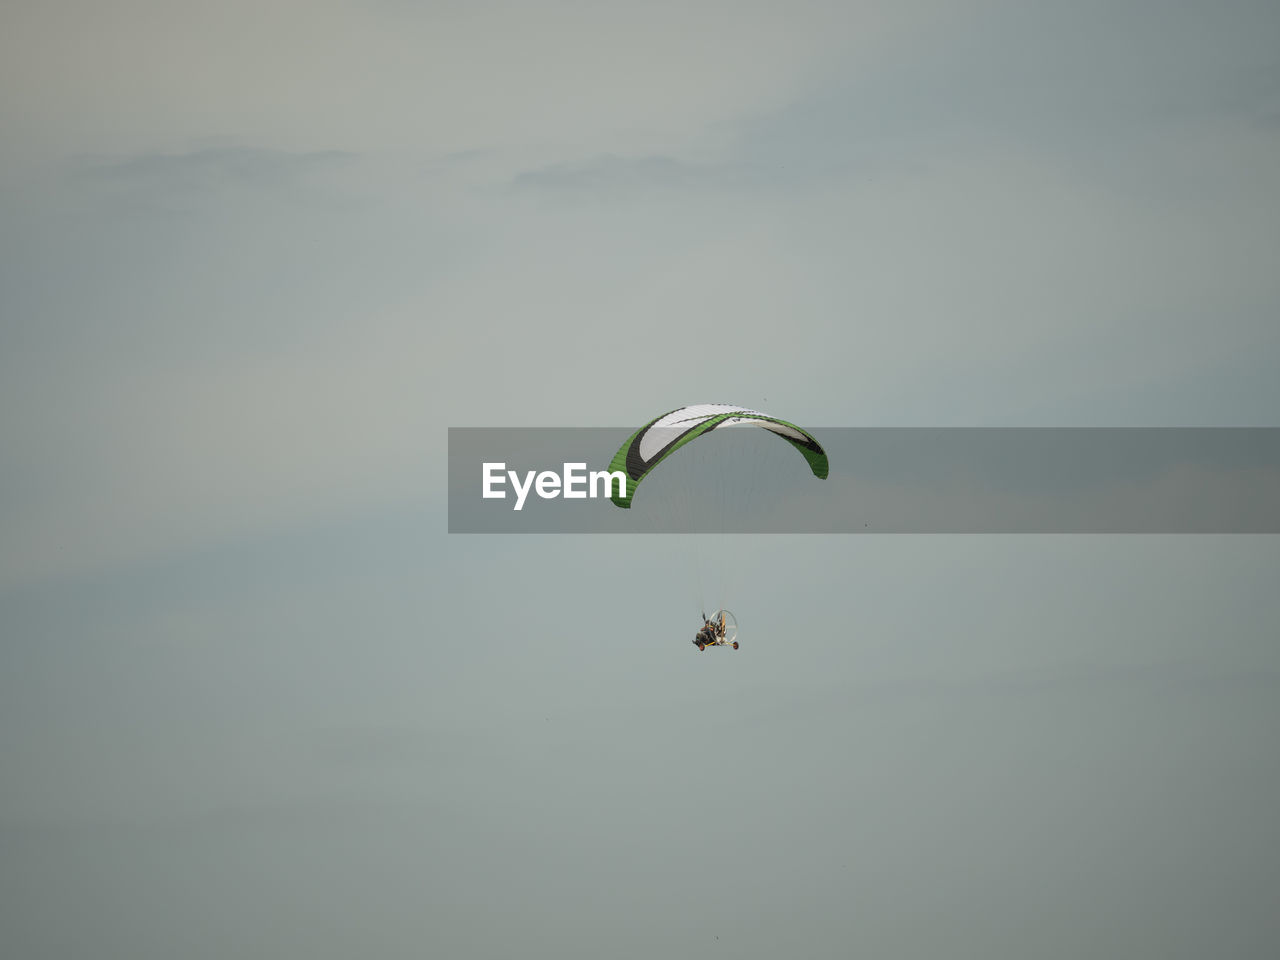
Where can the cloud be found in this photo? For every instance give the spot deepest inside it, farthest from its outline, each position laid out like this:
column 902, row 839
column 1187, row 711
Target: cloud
column 212, row 167
column 613, row 174
column 176, row 182
column 267, row 328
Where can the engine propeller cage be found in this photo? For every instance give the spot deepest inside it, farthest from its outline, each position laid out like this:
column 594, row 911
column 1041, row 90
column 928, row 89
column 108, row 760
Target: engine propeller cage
column 726, row 627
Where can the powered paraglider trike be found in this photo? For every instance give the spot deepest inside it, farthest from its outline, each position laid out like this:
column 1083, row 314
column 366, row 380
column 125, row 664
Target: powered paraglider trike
column 702, row 497
column 718, row 630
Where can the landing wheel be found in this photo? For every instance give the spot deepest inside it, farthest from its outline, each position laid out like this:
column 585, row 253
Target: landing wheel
column 735, row 644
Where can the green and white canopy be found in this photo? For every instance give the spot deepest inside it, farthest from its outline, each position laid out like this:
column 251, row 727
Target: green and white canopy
column 662, row 436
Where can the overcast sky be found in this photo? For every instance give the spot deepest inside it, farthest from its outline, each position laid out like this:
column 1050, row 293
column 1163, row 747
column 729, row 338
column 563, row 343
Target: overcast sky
column 257, row 257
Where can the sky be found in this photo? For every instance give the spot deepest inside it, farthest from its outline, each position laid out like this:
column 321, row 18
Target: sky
column 257, row 258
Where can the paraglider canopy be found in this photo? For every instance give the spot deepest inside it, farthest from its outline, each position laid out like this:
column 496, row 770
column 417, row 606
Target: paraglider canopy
column 664, row 435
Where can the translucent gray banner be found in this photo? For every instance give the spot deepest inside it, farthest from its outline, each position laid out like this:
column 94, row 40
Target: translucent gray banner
column 889, row 480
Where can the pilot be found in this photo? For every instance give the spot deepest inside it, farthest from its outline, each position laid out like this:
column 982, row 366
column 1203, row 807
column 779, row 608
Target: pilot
column 706, row 634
